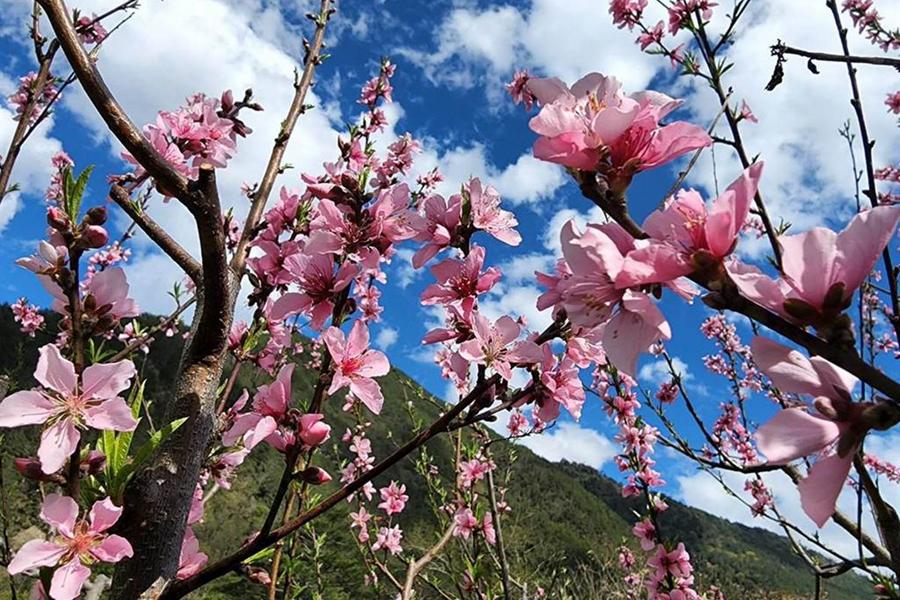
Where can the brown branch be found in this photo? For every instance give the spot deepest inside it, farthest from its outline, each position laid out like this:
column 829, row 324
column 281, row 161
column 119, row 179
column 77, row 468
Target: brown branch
column 709, row 56
column 416, row 566
column 273, row 167
column 885, row 516
column 22, row 128
column 140, row 341
column 108, row 107
column 498, row 531
column 156, row 233
column 867, row 145
column 781, row 49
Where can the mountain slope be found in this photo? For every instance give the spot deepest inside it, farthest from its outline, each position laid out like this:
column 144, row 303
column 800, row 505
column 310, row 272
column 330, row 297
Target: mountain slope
column 564, row 515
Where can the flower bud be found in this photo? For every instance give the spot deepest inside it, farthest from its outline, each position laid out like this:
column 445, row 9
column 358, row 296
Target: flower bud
column 313, row 430
column 95, row 236
column 57, row 219
column 314, row 476
column 31, row 469
column 96, row 216
column 93, row 462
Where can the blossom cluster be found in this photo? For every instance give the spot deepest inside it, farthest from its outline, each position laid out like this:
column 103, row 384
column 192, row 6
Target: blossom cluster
column 28, row 99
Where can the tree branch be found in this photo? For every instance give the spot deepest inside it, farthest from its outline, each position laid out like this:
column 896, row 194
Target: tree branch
column 781, row 49
column 108, row 107
column 273, row 167
column 156, row 233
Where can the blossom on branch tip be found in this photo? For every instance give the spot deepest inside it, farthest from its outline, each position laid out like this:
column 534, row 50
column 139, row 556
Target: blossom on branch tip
column 356, row 364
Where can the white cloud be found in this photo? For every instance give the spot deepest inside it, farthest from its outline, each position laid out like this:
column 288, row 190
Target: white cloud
column 572, row 442
column 526, row 181
column 386, row 337
column 657, row 372
column 517, row 301
column 565, row 39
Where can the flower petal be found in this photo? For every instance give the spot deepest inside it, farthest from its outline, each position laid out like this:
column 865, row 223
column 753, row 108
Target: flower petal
column 55, row 372
column 112, row 414
column 793, row 433
column 369, row 393
column 106, row 380
column 104, row 515
column 113, row 549
column 789, row 369
column 58, row 442
column 60, row 512
column 68, row 580
column 819, row 491
column 34, row 554
column 26, row 408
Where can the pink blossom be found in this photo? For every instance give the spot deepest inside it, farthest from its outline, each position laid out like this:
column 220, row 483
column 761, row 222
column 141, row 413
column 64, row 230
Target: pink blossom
column 105, row 295
column 319, row 283
column 494, row 345
column 472, row 471
column 834, row 433
column 593, row 120
column 645, row 531
column 191, row 560
column 270, row 406
column 626, row 13
column 361, row 519
column 487, row 214
column 488, row 530
column 440, row 220
column 893, row 103
column 356, row 365
column 560, row 385
column 676, row 562
column 90, row 30
column 822, row 269
column 518, row 90
column 652, row 37
column 68, row 406
column 747, row 113
column 460, row 281
column 464, row 523
column 389, row 539
column 77, row 543
column 393, row 498
column 28, row 316
column 686, row 237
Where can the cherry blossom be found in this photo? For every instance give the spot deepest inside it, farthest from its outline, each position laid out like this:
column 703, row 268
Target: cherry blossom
column 494, row 345
column 68, row 404
column 356, row 364
column 75, row 546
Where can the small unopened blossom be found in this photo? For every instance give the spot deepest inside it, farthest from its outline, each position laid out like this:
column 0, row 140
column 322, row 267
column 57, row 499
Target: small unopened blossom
column 518, row 90
column 893, row 103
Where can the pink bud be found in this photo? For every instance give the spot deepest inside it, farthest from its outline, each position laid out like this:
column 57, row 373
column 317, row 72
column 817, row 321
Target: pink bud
column 314, row 431
column 315, row 476
column 96, row 236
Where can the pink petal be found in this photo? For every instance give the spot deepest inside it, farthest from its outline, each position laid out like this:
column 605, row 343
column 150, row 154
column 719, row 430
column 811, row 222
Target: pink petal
column 26, row 408
column 60, row 512
column 58, row 442
column 109, row 286
column 793, row 433
column 548, row 89
column 507, row 330
column 106, row 380
column 653, row 263
column 113, row 549
column 34, row 554
column 290, row 304
column 788, row 369
column 358, row 340
column 104, row 515
column 112, row 414
column 55, row 372
column 525, row 352
column 756, row 286
column 819, row 491
column 672, row 141
column 471, row 350
column 569, row 150
column 369, row 393
column 374, row 364
column 861, row 243
column 335, row 342
column 68, row 580
column 809, row 262
column 632, row 330
column 729, row 211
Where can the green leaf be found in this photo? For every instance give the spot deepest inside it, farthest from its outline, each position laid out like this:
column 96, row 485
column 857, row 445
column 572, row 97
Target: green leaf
column 150, row 446
column 74, row 191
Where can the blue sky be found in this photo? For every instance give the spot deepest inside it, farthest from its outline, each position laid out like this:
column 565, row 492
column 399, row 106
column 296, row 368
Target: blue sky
column 453, row 58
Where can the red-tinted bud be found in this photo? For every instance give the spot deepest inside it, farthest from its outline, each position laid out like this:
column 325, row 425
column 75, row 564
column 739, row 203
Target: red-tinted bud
column 93, row 463
column 95, row 236
column 96, row 216
column 57, row 219
column 314, row 476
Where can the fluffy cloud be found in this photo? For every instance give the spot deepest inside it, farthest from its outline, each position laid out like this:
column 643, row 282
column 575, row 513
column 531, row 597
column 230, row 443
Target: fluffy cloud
column 657, row 372
column 566, row 39
column 572, row 442
column 386, row 337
